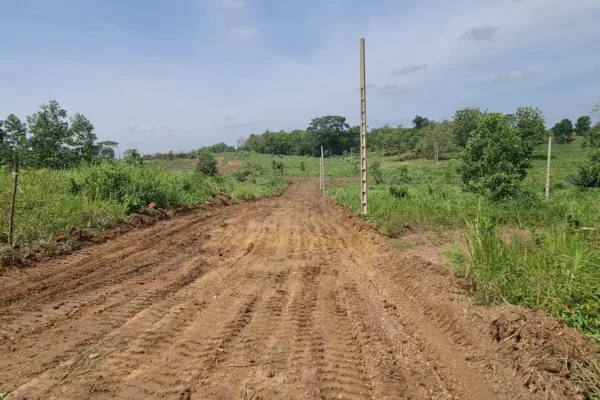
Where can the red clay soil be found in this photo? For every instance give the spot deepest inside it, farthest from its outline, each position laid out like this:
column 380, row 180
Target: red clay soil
column 283, row 298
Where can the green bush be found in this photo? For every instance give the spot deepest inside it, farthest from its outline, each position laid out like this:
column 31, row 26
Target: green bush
column 278, row 166
column 495, row 159
column 588, row 176
column 398, row 192
column 206, row 163
column 302, row 166
column 376, row 172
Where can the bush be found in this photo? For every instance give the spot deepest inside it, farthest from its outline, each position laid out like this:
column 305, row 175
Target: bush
column 243, row 174
column 495, row 159
column 206, row 163
column 302, row 166
column 376, row 172
column 588, row 176
column 277, row 166
column 133, row 157
column 398, row 192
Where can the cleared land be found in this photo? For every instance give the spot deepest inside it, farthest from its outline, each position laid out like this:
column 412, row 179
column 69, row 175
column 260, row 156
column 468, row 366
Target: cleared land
column 283, row 298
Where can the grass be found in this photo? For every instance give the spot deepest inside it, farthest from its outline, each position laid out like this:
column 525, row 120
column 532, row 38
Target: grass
column 53, row 202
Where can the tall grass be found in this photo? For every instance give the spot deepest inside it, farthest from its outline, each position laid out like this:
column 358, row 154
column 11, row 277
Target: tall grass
column 557, row 271
column 52, row 202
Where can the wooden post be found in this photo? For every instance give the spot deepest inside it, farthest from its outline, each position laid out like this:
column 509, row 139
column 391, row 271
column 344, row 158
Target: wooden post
column 548, row 168
column 364, row 195
column 322, row 172
column 11, row 222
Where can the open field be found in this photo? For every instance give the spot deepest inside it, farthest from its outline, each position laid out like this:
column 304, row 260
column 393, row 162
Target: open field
column 289, row 297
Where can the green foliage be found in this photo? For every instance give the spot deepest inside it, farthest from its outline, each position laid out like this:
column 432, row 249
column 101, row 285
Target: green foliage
column 302, row 166
column 277, row 166
column 331, row 132
column 420, row 122
column 220, row 148
column 588, row 176
column 531, row 127
column 376, row 172
column 435, row 139
column 49, row 140
column 562, row 131
column 206, row 163
column 495, row 160
column 398, row 192
column 583, row 125
column 556, row 271
column 95, row 197
column 464, row 124
column 133, row 157
column 242, row 174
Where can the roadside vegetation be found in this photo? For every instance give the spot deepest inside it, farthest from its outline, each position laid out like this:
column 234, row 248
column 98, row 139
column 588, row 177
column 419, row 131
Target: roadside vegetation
column 67, row 179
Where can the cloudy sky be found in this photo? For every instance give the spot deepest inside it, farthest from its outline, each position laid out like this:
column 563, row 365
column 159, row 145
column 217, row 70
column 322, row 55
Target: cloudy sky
column 164, row 75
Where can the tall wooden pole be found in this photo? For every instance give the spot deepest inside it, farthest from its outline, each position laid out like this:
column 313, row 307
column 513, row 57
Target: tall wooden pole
column 548, row 168
column 364, row 195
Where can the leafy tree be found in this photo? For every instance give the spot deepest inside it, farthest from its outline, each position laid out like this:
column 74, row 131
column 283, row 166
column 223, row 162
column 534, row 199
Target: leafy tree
column 436, row 138
column 83, row 139
column 106, row 150
column 530, row 125
column 14, row 141
column 133, row 157
column 50, row 136
column 206, row 163
column 583, row 125
column 563, row 131
column 420, row 122
column 588, row 174
column 464, row 124
column 494, row 161
column 331, row 132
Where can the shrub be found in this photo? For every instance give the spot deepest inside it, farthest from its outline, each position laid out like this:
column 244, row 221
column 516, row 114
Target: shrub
column 277, row 166
column 133, row 157
column 398, row 192
column 302, row 166
column 588, row 176
column 243, row 174
column 376, row 172
column 495, row 160
column 206, row 163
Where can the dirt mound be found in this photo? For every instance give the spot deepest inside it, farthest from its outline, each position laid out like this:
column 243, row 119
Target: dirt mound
column 229, row 166
column 548, row 354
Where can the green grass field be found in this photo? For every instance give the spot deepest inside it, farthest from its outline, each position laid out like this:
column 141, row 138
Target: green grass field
column 53, row 202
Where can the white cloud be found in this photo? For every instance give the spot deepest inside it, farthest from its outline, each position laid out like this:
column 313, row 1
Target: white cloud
column 515, row 75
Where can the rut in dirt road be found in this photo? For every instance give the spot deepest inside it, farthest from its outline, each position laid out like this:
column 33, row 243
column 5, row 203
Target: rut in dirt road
column 284, row 298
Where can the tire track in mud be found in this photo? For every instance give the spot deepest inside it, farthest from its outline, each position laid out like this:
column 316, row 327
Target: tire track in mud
column 283, row 298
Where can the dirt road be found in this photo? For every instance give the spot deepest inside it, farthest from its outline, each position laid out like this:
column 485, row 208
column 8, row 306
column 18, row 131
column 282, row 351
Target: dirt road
column 284, row 298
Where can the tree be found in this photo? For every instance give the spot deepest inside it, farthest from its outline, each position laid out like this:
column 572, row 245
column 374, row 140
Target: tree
column 330, row 132
column 206, row 162
column 106, row 150
column 420, row 122
column 583, row 125
column 563, row 131
column 531, row 126
column 14, row 141
column 133, row 157
column 50, row 135
column 435, row 139
column 494, row 161
column 464, row 124
column 83, row 139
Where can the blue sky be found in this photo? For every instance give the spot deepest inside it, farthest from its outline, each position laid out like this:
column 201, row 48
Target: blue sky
column 164, row 75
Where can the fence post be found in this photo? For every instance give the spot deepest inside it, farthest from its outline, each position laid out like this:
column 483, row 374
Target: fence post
column 322, row 172
column 11, row 223
column 548, row 168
